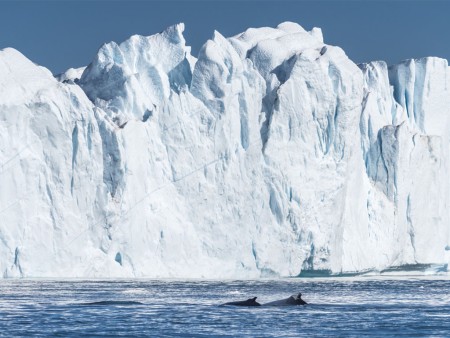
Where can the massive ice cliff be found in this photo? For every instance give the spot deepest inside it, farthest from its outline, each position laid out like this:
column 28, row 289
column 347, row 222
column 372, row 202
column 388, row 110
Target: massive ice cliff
column 270, row 154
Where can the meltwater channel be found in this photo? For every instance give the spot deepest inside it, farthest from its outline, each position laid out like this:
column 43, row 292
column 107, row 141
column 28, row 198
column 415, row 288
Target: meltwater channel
column 165, row 308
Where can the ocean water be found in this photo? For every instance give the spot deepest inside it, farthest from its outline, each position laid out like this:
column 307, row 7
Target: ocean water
column 165, row 308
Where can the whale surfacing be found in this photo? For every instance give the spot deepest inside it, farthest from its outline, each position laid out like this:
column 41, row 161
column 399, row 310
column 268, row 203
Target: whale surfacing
column 112, row 303
column 292, row 300
column 248, row 302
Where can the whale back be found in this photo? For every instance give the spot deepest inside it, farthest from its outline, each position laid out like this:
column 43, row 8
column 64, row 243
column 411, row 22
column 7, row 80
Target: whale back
column 292, row 300
column 248, row 302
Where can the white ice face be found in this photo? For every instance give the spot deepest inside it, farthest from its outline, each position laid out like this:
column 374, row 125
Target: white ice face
column 269, row 154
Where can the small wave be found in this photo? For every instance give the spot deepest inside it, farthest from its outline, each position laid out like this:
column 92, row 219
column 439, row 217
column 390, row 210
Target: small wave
column 112, row 302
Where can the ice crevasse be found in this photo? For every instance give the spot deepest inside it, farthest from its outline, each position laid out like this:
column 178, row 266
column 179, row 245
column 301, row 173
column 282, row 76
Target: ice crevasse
column 270, row 154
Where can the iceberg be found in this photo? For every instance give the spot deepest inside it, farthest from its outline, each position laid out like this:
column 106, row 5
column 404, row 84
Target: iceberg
column 269, row 154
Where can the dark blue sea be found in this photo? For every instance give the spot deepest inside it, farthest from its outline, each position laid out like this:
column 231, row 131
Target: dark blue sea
column 166, row 308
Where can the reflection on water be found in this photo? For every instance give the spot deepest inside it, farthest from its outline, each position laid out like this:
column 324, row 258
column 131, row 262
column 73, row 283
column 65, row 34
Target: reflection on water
column 343, row 306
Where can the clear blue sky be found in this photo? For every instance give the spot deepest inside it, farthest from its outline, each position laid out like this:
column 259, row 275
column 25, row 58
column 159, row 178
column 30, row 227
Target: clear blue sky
column 63, row 34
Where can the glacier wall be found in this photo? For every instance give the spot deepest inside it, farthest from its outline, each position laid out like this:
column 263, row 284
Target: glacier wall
column 270, row 154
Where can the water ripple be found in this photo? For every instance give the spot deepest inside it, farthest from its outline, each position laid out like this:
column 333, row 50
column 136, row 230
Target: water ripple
column 338, row 307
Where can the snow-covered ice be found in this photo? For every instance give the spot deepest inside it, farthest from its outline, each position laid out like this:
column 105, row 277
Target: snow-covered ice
column 269, row 154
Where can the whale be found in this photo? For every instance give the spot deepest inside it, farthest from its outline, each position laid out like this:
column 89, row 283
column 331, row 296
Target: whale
column 112, row 302
column 248, row 302
column 292, row 300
